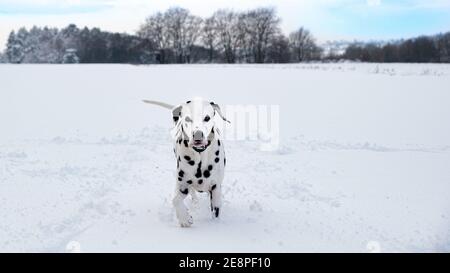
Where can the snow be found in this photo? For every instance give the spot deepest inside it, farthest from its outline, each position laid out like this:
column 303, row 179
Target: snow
column 363, row 162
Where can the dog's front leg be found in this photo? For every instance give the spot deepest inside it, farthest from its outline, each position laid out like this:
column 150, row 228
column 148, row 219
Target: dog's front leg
column 216, row 199
column 181, row 210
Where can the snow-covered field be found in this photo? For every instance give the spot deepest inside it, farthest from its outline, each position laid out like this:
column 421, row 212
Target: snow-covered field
column 363, row 162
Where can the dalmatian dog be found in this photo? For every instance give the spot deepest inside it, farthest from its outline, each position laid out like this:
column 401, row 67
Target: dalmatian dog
column 199, row 153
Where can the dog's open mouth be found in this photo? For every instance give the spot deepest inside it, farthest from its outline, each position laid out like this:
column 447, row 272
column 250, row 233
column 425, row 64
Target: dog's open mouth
column 199, row 145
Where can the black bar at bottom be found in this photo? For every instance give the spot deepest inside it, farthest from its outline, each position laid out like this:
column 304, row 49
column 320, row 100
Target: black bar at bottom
column 227, row 262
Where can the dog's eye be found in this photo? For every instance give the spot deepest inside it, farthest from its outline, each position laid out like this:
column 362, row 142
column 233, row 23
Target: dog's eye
column 207, row 118
column 188, row 119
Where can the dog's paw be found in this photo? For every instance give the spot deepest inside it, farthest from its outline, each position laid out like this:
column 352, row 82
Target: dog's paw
column 186, row 221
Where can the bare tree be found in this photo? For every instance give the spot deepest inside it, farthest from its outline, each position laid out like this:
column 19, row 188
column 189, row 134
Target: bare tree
column 229, row 37
column 261, row 26
column 278, row 51
column 175, row 21
column 175, row 30
column 243, row 37
column 303, row 45
column 209, row 38
column 155, row 29
column 190, row 35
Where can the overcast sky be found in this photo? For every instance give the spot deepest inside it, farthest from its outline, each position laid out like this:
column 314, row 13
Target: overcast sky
column 327, row 19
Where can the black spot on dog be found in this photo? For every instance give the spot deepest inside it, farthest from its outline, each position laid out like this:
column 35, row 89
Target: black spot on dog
column 192, row 162
column 180, row 173
column 210, row 198
column 218, row 142
column 180, row 179
column 198, row 150
column 200, row 181
column 213, row 187
column 179, row 141
column 224, row 161
column 189, row 181
column 175, row 119
column 210, row 167
column 217, row 160
column 216, row 212
column 217, row 152
column 188, row 101
column 187, row 158
column 206, row 173
column 198, row 174
column 185, row 191
column 185, row 143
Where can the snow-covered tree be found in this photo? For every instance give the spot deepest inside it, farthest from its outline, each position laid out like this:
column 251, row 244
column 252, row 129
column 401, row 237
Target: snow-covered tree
column 70, row 57
column 40, row 46
column 2, row 58
column 50, row 50
column 15, row 50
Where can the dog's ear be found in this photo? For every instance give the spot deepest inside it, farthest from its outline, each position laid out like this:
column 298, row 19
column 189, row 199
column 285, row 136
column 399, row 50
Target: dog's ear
column 217, row 109
column 176, row 113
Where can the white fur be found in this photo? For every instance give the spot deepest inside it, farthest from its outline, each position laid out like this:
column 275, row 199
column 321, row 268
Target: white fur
column 207, row 158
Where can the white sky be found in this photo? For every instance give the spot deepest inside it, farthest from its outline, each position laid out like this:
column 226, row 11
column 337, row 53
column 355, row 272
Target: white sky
column 327, row 19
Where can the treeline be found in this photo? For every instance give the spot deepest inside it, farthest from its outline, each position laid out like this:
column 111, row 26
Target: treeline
column 173, row 36
column 177, row 36
column 73, row 45
column 227, row 36
column 424, row 49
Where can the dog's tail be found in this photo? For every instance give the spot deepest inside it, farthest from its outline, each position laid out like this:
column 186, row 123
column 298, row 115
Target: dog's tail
column 162, row 104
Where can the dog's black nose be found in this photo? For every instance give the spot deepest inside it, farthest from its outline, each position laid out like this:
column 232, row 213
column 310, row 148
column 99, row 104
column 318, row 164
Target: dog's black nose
column 198, row 135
